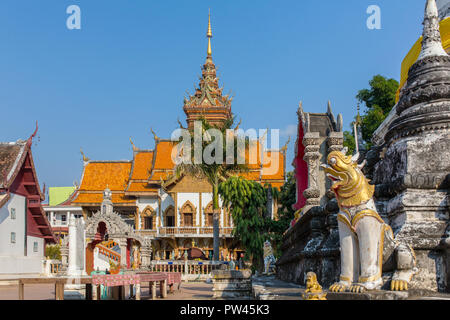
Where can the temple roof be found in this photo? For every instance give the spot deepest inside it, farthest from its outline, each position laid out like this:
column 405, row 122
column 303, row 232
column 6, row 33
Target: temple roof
column 208, row 94
column 150, row 168
column 12, row 155
column 97, row 175
column 274, row 171
column 16, row 164
column 59, row 195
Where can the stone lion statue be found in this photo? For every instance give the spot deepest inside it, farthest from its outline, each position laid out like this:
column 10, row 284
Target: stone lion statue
column 367, row 243
column 268, row 256
column 313, row 288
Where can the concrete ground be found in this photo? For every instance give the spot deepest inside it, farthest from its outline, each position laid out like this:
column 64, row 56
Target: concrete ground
column 188, row 291
column 270, row 288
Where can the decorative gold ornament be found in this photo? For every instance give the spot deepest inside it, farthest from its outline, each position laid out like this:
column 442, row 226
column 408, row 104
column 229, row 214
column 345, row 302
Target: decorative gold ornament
column 350, row 185
column 313, row 288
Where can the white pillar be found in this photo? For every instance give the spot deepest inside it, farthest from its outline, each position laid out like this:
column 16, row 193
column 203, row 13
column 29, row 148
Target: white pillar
column 77, row 246
column 72, row 247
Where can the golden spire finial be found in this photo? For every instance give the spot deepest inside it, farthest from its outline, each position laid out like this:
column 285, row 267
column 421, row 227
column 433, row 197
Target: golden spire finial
column 358, row 116
column 209, row 34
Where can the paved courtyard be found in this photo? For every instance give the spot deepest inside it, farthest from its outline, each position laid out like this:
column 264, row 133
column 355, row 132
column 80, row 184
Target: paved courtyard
column 188, row 291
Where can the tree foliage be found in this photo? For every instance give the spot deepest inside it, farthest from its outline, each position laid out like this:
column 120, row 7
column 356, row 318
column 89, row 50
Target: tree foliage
column 379, row 100
column 247, row 201
column 53, row 252
column 286, row 199
column 214, row 172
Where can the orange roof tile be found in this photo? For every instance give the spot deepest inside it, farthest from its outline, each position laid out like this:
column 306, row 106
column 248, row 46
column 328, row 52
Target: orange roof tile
column 158, row 175
column 141, row 187
column 273, row 166
column 99, row 175
column 250, row 175
column 277, row 185
column 142, row 165
column 163, row 158
column 253, row 155
column 97, row 198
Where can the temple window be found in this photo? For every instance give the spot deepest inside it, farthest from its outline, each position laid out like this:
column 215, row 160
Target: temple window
column 209, row 215
column 148, row 223
column 169, row 217
column 13, row 237
column 188, row 214
column 13, row 213
column 148, row 219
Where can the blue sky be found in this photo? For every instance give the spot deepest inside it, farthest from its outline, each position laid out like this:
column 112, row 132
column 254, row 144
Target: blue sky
column 130, row 65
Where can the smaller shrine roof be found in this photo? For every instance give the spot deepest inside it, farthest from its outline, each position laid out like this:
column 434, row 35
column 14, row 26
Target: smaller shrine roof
column 58, row 195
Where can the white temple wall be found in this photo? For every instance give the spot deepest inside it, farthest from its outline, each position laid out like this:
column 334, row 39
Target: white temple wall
column 35, row 247
column 12, row 255
column 9, row 225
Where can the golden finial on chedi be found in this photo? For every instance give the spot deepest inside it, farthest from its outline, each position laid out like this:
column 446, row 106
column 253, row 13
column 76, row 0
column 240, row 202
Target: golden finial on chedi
column 313, row 288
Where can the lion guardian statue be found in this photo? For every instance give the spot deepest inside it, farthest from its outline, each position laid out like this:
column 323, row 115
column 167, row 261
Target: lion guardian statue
column 368, row 246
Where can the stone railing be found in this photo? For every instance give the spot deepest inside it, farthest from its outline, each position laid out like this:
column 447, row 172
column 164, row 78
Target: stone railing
column 189, row 231
column 52, row 267
column 188, row 267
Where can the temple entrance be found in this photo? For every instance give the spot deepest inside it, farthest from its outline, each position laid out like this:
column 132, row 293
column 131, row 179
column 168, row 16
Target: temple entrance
column 112, row 244
column 105, row 254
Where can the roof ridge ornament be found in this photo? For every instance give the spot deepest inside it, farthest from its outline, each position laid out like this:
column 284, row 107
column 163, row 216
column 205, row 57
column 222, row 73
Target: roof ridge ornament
column 431, row 42
column 85, row 159
column 30, row 139
column 135, row 149
column 155, row 136
column 284, row 148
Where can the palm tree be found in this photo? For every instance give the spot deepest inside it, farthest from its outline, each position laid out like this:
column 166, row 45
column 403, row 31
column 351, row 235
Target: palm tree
column 214, row 173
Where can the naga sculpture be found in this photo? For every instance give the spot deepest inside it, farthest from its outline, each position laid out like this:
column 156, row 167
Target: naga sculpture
column 368, row 246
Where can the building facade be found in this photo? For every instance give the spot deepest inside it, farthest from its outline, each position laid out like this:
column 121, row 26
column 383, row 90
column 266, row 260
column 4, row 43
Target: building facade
column 174, row 213
column 24, row 228
column 59, row 210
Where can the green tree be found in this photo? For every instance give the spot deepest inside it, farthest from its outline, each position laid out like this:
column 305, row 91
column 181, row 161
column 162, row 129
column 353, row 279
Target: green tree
column 286, row 199
column 247, row 201
column 215, row 172
column 53, row 252
column 379, row 100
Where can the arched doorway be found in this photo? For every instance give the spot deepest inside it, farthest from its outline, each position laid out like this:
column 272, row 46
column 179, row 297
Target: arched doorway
column 103, row 253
